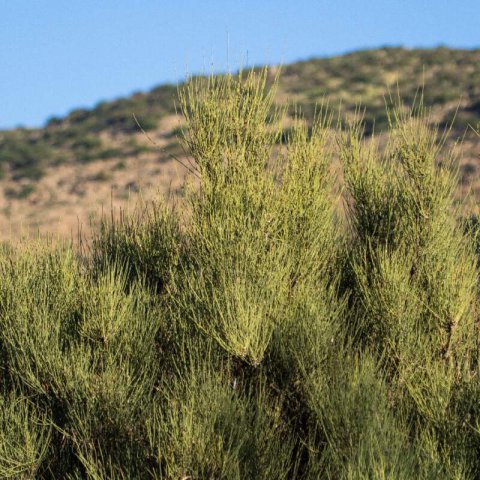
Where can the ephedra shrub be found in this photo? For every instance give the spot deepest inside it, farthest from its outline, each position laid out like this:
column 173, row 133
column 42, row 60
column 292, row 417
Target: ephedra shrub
column 414, row 285
column 250, row 332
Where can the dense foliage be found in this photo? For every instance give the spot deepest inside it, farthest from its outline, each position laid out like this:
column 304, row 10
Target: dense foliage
column 254, row 329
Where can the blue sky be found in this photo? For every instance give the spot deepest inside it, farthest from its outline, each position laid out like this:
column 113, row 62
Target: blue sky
column 56, row 55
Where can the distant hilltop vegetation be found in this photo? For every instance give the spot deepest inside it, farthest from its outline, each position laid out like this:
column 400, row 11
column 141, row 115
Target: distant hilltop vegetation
column 55, row 177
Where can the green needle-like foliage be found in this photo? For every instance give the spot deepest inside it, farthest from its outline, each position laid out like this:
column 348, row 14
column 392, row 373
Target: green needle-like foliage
column 24, row 437
column 414, row 270
column 146, row 242
column 84, row 348
column 229, row 288
column 254, row 330
column 208, row 426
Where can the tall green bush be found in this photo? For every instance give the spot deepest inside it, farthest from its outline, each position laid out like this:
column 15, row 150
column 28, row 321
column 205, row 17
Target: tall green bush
column 254, row 330
column 230, row 289
column 414, row 281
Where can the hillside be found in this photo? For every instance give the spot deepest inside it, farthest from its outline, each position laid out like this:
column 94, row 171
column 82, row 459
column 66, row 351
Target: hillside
column 56, row 177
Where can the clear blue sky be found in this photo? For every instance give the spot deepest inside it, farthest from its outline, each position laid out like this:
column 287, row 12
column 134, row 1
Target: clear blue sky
column 56, row 55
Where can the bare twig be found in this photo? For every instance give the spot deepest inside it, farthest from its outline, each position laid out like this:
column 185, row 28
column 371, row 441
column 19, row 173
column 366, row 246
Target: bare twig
column 191, row 170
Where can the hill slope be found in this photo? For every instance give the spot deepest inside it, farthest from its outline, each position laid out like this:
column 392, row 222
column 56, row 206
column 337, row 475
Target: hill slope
column 57, row 176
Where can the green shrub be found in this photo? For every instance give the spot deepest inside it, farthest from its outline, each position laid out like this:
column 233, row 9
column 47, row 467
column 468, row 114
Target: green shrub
column 148, row 122
column 26, row 158
column 209, row 428
column 85, row 350
column 146, row 242
column 87, row 143
column 24, row 437
column 109, row 153
column 101, row 176
column 253, row 329
column 414, row 275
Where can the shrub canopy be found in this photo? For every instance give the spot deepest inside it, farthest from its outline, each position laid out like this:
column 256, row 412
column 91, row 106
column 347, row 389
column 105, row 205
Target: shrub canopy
column 254, row 329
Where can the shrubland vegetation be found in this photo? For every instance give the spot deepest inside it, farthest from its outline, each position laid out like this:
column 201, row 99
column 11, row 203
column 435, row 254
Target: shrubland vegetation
column 450, row 77
column 254, row 329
